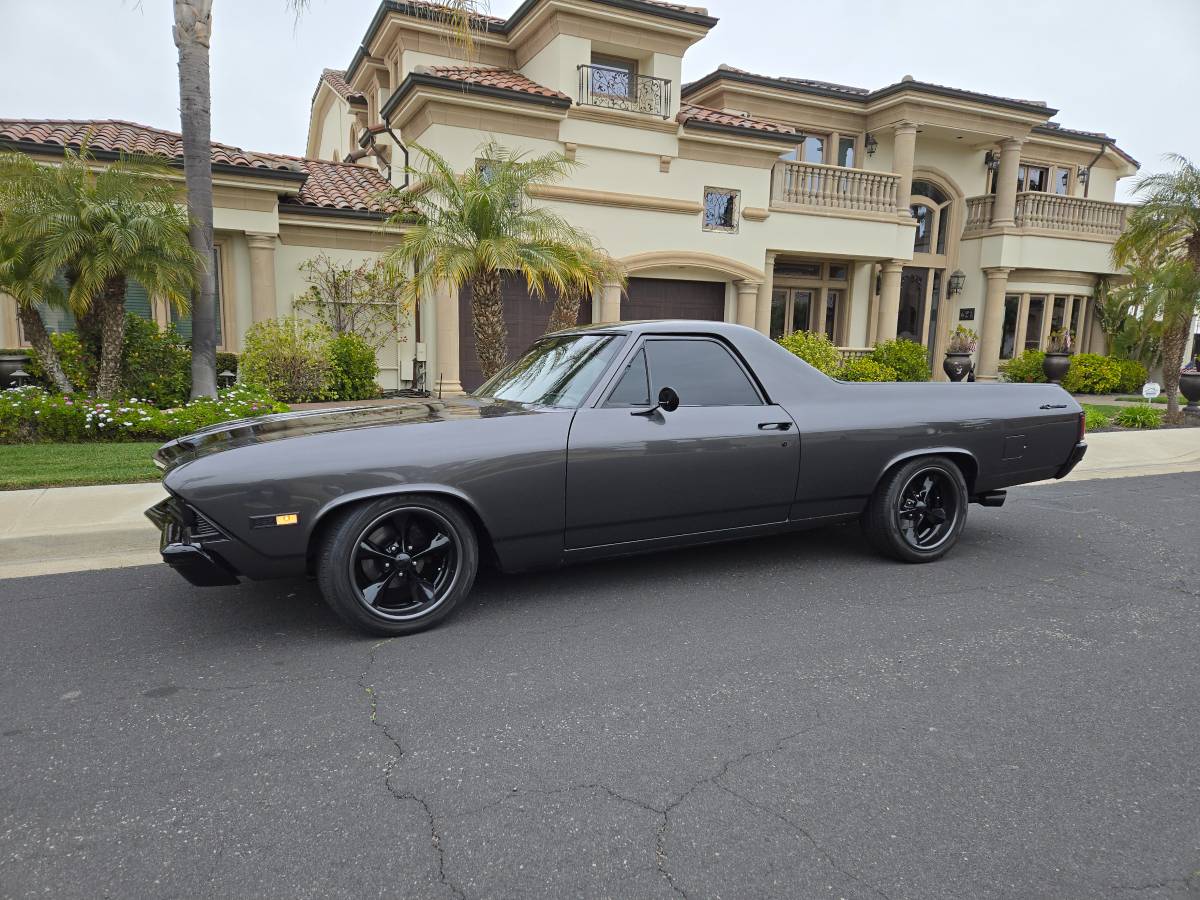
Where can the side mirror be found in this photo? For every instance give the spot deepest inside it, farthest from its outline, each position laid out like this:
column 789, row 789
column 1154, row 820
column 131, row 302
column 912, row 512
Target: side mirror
column 668, row 401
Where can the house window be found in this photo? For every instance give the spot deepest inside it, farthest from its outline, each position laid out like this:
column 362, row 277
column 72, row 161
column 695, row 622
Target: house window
column 613, row 76
column 721, row 209
column 1062, row 180
column 846, row 152
column 837, row 272
column 1032, row 178
column 57, row 319
column 1012, row 307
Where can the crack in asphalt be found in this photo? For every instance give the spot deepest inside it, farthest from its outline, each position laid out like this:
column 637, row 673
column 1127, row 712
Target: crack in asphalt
column 434, row 835
column 1187, row 882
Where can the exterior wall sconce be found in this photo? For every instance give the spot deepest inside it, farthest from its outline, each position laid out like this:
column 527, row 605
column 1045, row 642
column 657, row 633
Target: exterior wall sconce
column 991, row 160
column 226, row 379
column 871, row 144
column 957, row 280
column 1083, row 174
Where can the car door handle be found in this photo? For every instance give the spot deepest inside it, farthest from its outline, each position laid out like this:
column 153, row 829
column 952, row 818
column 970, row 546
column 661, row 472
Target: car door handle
column 774, row 426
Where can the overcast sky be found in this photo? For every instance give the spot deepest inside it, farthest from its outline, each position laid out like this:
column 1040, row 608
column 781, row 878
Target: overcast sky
column 1128, row 69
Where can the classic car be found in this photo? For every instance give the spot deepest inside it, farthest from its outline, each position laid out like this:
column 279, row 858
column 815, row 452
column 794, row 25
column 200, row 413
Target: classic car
column 598, row 441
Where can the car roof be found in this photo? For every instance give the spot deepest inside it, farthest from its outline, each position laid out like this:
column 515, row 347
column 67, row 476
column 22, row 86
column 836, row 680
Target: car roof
column 659, row 326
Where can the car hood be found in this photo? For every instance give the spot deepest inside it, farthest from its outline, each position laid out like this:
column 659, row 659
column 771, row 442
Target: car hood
column 283, row 426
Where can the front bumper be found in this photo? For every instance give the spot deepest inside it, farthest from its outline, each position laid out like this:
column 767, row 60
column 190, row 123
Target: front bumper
column 182, row 551
column 1072, row 460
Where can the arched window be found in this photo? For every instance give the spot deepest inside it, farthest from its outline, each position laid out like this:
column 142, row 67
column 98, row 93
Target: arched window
column 930, row 208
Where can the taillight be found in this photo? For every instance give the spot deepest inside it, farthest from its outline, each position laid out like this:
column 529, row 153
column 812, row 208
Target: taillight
column 1082, row 426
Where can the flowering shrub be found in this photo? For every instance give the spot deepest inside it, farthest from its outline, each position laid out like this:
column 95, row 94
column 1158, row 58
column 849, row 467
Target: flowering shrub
column 815, row 349
column 32, row 415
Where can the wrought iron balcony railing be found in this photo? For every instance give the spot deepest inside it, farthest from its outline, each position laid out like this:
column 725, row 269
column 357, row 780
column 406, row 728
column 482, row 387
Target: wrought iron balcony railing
column 615, row 88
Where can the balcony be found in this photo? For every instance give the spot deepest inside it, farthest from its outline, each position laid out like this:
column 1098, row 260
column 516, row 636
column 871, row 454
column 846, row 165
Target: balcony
column 1038, row 211
column 613, row 88
column 801, row 185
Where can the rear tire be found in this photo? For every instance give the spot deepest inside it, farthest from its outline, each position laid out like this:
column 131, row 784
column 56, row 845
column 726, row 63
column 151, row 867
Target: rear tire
column 398, row 565
column 918, row 510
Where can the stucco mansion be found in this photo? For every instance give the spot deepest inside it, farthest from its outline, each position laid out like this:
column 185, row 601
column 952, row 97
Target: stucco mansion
column 777, row 202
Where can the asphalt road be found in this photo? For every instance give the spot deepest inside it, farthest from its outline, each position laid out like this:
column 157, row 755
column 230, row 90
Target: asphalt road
column 791, row 717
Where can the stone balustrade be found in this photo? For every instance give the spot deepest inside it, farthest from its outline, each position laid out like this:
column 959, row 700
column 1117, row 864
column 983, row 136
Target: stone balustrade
column 1040, row 211
column 800, row 184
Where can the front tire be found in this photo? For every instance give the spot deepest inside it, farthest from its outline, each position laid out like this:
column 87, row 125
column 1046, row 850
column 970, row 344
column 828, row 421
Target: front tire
column 398, row 565
column 918, row 510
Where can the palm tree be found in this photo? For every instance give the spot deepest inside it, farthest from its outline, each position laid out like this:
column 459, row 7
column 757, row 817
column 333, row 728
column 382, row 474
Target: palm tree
column 192, row 31
column 18, row 280
column 1165, row 230
column 469, row 228
column 99, row 225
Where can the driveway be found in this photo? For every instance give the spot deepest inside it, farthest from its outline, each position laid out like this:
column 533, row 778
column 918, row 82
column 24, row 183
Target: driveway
column 791, row 717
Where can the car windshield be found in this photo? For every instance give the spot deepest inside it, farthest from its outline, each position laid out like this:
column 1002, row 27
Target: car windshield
column 557, row 371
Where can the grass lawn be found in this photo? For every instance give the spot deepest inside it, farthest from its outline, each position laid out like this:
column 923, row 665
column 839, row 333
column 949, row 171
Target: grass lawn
column 1105, row 408
column 58, row 465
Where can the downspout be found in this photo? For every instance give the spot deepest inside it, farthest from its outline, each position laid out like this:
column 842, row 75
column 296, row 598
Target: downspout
column 403, row 149
column 1087, row 185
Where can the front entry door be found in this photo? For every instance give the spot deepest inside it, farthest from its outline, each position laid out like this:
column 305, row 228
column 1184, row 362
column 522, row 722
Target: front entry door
column 724, row 459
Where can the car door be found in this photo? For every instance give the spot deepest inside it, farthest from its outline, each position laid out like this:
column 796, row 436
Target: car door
column 725, row 458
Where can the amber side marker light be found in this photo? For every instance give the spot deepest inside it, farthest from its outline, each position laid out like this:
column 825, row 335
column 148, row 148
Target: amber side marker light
column 287, row 519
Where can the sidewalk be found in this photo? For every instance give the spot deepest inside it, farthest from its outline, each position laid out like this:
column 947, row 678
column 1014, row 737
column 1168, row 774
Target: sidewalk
column 75, row 529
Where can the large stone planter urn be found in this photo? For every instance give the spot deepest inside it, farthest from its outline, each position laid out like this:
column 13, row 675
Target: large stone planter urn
column 1189, row 386
column 1055, row 366
column 957, row 366
column 9, row 363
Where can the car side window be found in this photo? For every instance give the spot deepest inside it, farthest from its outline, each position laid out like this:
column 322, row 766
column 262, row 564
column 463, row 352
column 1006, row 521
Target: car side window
column 633, row 387
column 701, row 371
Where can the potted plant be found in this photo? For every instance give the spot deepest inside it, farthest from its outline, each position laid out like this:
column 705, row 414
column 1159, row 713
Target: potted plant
column 1058, row 356
column 10, row 362
column 1189, row 386
column 962, row 343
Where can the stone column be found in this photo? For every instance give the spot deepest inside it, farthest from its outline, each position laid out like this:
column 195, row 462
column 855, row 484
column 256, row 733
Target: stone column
column 747, row 302
column 610, row 302
column 993, row 324
column 1005, row 209
column 445, row 313
column 762, row 310
column 904, row 151
column 262, row 276
column 889, row 301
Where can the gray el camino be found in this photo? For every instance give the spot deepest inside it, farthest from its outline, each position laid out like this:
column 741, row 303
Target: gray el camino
column 597, row 442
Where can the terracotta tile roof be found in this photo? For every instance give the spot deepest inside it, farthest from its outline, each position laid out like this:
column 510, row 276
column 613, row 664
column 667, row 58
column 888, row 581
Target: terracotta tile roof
column 862, row 93
column 689, row 112
column 802, row 82
column 326, row 185
column 129, row 137
column 504, row 79
column 440, row 10
column 336, row 79
column 1090, row 135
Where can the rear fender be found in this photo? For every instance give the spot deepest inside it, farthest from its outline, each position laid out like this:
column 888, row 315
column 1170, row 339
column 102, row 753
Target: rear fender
column 965, row 458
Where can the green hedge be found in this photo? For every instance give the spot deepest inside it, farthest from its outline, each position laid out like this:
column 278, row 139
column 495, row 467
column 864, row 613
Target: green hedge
column 300, row 361
column 908, row 359
column 864, row 368
column 815, row 349
column 33, row 415
column 1025, row 368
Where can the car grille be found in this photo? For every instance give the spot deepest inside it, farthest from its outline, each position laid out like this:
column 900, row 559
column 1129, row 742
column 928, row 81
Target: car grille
column 202, row 529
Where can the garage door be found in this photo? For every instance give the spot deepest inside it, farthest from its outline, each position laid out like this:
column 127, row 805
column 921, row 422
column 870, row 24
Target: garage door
column 668, row 298
column 526, row 317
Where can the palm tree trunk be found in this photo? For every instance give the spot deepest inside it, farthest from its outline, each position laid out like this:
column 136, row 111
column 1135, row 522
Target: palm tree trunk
column 1174, row 340
column 110, row 316
column 487, row 318
column 565, row 313
column 193, row 24
column 35, row 332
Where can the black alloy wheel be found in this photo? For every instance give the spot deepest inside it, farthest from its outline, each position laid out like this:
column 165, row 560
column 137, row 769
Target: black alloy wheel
column 404, row 563
column 918, row 510
column 923, row 514
column 398, row 565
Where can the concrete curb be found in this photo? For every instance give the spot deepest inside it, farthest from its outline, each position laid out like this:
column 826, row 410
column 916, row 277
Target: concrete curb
column 76, row 529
